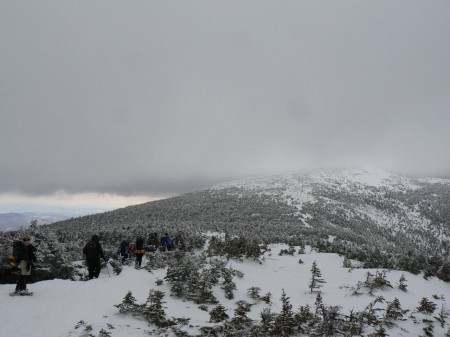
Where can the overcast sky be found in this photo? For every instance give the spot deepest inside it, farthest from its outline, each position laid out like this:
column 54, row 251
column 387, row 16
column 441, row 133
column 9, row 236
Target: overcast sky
column 155, row 98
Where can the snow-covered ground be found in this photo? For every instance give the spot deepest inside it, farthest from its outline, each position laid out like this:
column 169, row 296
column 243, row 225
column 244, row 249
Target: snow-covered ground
column 58, row 306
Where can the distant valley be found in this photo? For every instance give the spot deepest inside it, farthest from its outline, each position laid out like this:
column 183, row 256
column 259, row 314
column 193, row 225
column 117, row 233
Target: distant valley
column 14, row 221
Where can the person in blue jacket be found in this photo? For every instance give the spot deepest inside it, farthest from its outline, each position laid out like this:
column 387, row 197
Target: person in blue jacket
column 166, row 242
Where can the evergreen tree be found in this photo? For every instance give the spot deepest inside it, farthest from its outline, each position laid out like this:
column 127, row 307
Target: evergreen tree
column 228, row 285
column 402, row 283
column 218, row 314
column 153, row 309
column 380, row 280
column 442, row 316
column 266, row 298
column 316, row 278
column 426, row 306
column 428, row 328
column 253, row 292
column 128, row 304
column 370, row 313
column 304, row 314
column 380, row 331
column 268, row 321
column 394, row 310
column 347, row 263
column 285, row 322
column 240, row 318
column 319, row 306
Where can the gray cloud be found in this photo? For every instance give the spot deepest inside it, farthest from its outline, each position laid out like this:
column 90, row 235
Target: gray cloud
column 165, row 97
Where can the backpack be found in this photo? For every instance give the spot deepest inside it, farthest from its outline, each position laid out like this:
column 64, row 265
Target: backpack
column 91, row 250
column 17, row 251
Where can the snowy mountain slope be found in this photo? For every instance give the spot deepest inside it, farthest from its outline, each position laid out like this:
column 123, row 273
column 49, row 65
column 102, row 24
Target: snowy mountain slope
column 58, row 306
column 381, row 219
column 365, row 200
column 310, row 186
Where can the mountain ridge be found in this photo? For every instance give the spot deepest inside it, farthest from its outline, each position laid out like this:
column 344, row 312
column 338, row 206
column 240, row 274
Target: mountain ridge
column 379, row 218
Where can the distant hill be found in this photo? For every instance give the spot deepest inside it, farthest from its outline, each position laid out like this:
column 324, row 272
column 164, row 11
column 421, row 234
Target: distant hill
column 382, row 219
column 14, row 221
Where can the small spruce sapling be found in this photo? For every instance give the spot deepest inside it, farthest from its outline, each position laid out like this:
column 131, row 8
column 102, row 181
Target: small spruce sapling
column 426, row 306
column 266, row 298
column 218, row 314
column 316, row 278
column 228, row 286
column 394, row 310
column 253, row 292
column 128, row 304
column 240, row 313
column 104, row 333
column 442, row 316
column 402, row 283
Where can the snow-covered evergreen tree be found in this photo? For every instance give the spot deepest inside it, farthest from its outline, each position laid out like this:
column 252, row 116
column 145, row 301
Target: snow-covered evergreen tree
column 284, row 321
column 394, row 311
column 426, row 306
column 316, row 278
column 153, row 309
column 128, row 304
column 402, row 283
column 218, row 314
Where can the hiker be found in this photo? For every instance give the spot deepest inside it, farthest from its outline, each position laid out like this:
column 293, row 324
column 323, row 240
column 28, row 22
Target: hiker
column 152, row 242
column 93, row 251
column 166, row 242
column 180, row 243
column 24, row 256
column 124, row 250
column 139, row 251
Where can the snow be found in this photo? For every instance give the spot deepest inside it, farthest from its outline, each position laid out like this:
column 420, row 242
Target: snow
column 58, row 305
column 298, row 188
column 435, row 181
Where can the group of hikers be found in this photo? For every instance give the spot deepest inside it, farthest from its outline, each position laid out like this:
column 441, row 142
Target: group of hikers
column 24, row 255
column 93, row 250
column 166, row 243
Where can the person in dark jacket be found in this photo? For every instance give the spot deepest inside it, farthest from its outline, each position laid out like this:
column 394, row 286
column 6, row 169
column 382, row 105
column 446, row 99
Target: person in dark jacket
column 180, row 243
column 93, row 251
column 139, row 251
column 25, row 259
column 124, row 250
column 153, row 242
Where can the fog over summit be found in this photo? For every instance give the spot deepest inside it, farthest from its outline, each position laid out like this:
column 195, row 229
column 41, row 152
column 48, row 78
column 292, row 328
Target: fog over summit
column 161, row 98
